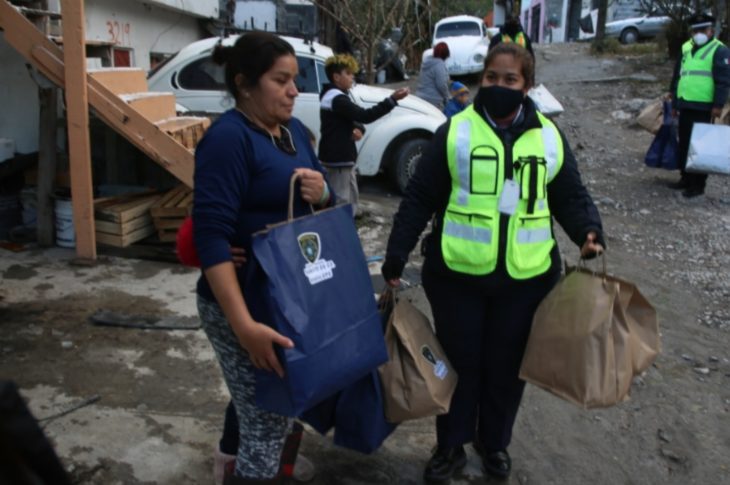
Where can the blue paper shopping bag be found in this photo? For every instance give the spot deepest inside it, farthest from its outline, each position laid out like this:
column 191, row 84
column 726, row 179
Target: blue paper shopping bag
column 357, row 414
column 664, row 149
column 312, row 285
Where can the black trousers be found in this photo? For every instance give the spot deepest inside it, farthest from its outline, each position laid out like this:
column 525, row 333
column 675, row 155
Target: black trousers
column 483, row 331
column 687, row 119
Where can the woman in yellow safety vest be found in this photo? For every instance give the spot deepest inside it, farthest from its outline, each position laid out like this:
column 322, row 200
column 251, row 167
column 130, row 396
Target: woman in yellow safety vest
column 493, row 179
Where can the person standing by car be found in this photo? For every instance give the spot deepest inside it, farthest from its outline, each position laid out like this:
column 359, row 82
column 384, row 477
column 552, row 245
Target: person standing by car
column 341, row 125
column 459, row 99
column 699, row 89
column 243, row 166
column 433, row 80
column 511, row 31
column 494, row 177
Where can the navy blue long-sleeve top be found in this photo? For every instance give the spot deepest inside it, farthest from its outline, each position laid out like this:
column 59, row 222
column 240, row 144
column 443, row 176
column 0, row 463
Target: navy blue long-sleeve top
column 241, row 186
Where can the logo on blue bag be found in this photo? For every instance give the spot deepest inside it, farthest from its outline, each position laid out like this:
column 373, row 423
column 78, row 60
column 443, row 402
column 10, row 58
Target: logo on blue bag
column 439, row 367
column 309, row 245
column 316, row 270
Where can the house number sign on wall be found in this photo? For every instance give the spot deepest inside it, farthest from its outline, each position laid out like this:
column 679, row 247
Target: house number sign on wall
column 118, row 32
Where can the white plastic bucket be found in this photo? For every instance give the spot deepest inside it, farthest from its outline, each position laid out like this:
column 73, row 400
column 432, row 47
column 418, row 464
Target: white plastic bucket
column 65, row 235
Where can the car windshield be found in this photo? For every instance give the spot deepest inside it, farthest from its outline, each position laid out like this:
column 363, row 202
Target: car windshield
column 455, row 29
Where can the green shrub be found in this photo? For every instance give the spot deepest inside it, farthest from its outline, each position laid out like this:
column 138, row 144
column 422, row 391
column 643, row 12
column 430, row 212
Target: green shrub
column 609, row 45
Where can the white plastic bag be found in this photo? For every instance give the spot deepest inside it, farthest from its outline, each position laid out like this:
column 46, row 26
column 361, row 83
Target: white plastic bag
column 545, row 101
column 709, row 149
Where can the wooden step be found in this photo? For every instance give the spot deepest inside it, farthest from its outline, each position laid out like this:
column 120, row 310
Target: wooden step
column 152, row 105
column 187, row 130
column 121, row 80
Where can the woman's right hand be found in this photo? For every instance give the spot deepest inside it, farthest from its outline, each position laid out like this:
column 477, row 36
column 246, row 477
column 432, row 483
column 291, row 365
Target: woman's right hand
column 259, row 340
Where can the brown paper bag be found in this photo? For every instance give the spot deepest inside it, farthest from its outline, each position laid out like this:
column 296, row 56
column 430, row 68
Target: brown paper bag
column 418, row 380
column 650, row 118
column 590, row 335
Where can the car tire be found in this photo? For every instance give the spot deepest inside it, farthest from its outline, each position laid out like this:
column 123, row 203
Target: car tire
column 406, row 159
column 629, row 36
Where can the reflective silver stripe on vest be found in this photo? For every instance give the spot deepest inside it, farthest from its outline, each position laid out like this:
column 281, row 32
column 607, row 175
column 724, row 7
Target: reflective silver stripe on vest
column 525, row 236
column 462, row 231
column 463, row 147
column 550, row 143
column 707, row 52
column 696, row 73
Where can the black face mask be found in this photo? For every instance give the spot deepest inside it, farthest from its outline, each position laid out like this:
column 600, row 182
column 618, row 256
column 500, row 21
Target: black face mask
column 499, row 101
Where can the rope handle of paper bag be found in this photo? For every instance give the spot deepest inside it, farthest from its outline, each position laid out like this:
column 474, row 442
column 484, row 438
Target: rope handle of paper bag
column 292, row 184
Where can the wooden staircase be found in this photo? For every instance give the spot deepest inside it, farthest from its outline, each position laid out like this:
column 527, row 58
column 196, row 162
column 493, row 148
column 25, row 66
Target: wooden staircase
column 118, row 96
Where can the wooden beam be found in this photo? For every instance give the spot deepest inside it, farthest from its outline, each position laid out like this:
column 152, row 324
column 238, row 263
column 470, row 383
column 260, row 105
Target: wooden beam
column 48, row 98
column 79, row 148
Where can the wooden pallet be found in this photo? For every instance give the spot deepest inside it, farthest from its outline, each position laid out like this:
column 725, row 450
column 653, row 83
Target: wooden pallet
column 121, row 221
column 187, row 130
column 169, row 212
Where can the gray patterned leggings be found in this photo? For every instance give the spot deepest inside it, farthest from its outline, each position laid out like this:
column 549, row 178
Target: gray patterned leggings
column 261, row 433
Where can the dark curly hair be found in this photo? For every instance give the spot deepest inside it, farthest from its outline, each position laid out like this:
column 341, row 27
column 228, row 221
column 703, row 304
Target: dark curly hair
column 251, row 56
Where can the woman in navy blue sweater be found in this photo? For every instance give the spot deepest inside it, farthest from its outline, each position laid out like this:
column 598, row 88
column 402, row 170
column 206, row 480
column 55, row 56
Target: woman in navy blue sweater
column 242, row 171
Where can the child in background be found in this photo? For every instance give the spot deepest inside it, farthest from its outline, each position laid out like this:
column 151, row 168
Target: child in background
column 341, row 125
column 459, row 99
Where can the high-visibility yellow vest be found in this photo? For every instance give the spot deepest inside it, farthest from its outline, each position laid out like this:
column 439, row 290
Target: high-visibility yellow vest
column 695, row 77
column 519, row 39
column 470, row 231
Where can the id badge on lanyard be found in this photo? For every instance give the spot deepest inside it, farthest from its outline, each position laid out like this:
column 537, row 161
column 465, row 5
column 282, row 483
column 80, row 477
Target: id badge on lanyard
column 509, row 198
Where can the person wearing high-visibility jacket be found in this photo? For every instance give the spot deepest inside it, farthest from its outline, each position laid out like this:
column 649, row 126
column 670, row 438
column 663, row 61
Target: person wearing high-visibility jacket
column 492, row 180
column 511, row 31
column 699, row 89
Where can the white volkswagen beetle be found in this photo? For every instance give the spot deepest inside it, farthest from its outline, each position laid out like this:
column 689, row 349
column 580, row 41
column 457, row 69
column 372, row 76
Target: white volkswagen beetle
column 393, row 143
column 468, row 42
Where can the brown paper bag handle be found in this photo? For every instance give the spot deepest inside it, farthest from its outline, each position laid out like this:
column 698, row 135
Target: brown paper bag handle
column 583, row 264
column 389, row 294
column 292, row 184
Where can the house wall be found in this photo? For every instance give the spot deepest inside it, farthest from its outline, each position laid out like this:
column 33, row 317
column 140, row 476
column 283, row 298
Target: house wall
column 141, row 28
column 19, row 100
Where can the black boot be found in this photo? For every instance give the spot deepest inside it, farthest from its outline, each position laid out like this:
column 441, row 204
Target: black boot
column 443, row 464
column 497, row 464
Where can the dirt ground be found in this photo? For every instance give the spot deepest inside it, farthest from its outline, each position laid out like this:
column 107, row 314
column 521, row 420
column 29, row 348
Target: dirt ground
column 161, row 398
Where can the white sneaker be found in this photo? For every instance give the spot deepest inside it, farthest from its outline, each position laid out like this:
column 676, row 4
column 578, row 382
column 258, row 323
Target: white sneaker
column 304, row 470
column 220, row 460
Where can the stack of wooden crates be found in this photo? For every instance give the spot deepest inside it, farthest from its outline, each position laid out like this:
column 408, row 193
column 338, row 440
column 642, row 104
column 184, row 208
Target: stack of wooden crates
column 170, row 210
column 124, row 220
column 121, row 221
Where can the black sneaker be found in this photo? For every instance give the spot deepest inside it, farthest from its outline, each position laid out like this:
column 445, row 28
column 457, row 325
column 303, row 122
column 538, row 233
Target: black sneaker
column 443, row 464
